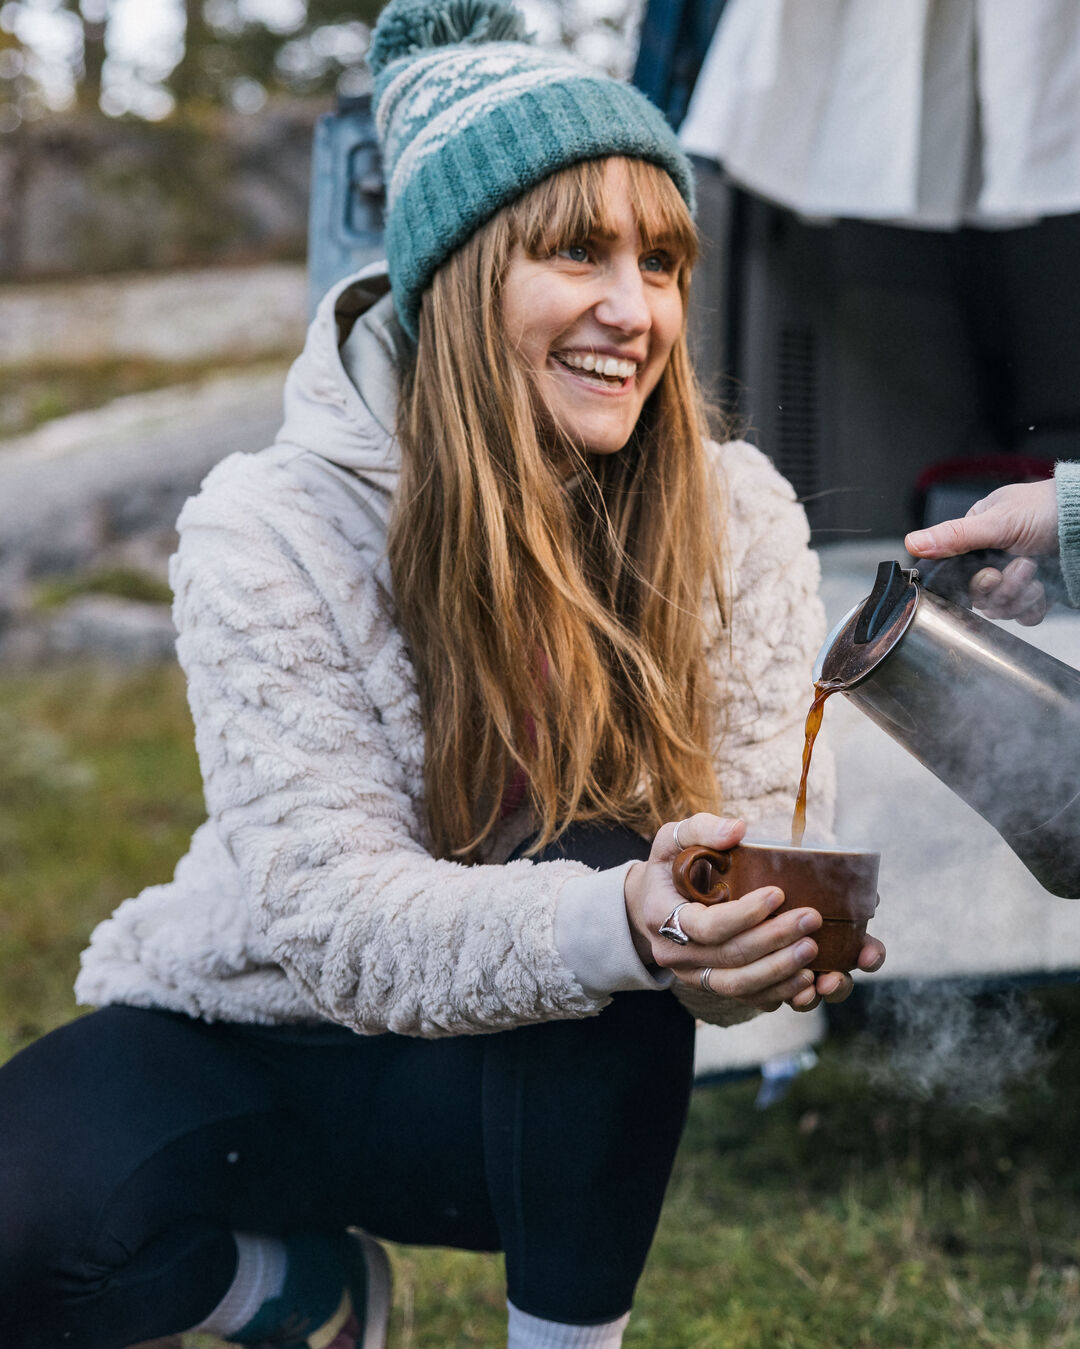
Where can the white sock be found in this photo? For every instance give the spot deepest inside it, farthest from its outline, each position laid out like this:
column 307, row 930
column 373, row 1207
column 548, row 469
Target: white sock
column 260, row 1275
column 531, row 1332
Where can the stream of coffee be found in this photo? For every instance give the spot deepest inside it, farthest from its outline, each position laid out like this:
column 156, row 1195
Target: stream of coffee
column 822, row 691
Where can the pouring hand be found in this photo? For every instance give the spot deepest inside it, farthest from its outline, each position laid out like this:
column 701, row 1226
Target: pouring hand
column 756, row 956
column 1021, row 518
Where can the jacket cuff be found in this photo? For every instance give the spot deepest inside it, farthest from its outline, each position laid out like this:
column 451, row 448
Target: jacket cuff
column 1067, row 477
column 592, row 934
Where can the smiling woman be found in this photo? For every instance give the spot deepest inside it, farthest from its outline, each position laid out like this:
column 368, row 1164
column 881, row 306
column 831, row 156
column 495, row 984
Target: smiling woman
column 486, row 637
column 594, row 302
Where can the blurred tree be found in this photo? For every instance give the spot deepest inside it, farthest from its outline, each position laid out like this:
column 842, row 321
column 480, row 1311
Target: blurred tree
column 62, row 44
column 602, row 33
column 191, row 79
column 238, row 52
column 93, row 17
column 20, row 97
column 232, row 53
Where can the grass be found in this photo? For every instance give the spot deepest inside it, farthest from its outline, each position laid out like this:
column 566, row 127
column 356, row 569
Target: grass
column 99, row 792
column 857, row 1213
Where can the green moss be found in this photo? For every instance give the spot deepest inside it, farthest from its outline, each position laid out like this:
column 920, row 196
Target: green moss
column 125, row 582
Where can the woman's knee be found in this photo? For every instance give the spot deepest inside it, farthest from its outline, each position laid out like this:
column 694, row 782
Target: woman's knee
column 92, row 1119
column 41, row 1179
column 81, row 1110
column 45, row 1199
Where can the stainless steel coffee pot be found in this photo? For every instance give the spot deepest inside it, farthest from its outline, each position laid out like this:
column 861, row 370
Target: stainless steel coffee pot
column 996, row 719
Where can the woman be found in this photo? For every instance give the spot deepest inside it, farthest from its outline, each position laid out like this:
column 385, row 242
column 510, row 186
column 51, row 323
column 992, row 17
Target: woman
column 456, row 654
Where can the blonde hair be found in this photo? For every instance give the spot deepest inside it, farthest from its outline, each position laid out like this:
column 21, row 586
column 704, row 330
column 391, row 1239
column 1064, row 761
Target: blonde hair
column 555, row 627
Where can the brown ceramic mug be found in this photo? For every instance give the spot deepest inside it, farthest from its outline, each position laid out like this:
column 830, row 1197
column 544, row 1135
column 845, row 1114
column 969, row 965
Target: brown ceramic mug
column 841, row 883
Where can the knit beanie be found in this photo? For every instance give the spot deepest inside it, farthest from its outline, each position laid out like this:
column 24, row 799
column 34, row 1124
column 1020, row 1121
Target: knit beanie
column 470, row 115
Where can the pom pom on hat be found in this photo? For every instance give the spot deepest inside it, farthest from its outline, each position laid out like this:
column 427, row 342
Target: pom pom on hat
column 470, row 114
column 407, row 26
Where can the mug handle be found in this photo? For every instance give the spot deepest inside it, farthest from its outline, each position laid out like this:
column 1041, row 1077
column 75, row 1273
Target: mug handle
column 684, row 864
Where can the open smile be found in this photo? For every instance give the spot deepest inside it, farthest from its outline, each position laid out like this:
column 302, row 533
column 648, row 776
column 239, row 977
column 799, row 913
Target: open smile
column 597, row 372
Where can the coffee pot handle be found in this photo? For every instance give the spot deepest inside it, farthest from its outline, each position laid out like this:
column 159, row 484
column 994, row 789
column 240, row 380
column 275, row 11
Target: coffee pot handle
column 698, row 856
column 950, row 577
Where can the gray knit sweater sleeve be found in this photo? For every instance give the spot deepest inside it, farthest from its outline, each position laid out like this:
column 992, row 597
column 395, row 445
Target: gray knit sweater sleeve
column 1067, row 477
column 308, row 735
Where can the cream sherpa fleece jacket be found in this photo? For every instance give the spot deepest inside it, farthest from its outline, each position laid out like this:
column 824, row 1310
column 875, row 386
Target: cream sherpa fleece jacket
column 308, row 893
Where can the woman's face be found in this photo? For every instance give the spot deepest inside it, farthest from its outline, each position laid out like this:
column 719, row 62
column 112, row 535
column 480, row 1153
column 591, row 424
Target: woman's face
column 599, row 304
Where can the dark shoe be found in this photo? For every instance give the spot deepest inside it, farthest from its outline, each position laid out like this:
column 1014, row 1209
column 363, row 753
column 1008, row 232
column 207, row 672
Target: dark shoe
column 361, row 1318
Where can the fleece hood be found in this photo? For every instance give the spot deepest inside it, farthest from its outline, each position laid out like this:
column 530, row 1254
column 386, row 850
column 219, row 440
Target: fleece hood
column 341, row 392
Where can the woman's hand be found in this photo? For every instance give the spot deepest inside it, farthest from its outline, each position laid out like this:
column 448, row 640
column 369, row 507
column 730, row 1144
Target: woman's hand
column 756, row 956
column 835, row 986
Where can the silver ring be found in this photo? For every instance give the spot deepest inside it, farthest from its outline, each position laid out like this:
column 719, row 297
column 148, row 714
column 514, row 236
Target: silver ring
column 672, row 929
column 676, row 833
column 703, row 980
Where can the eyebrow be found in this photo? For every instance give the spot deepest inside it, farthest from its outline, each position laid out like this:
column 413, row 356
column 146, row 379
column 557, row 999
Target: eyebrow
column 665, row 240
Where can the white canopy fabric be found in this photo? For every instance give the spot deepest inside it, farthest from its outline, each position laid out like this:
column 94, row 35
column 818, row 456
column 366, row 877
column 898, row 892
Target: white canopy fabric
column 933, row 113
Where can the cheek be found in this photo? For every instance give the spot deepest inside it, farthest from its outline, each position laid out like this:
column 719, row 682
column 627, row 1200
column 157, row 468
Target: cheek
column 667, row 325
column 530, row 318
column 668, row 321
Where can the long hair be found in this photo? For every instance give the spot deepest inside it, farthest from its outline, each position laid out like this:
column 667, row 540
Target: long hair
column 554, row 620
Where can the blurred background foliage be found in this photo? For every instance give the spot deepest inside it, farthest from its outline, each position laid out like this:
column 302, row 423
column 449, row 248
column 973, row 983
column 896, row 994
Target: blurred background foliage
column 174, row 56
column 148, row 134
column 157, row 58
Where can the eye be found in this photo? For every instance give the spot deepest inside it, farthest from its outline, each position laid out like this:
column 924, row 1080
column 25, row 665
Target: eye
column 660, row 261
column 575, row 252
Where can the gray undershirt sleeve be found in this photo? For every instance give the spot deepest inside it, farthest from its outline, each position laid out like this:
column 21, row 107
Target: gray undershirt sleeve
column 592, row 934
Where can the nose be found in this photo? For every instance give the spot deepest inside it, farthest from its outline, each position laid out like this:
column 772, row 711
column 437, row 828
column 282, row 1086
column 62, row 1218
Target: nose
column 624, row 304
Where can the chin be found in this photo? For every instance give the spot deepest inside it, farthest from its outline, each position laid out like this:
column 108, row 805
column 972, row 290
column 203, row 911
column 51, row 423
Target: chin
column 606, row 447
column 596, row 441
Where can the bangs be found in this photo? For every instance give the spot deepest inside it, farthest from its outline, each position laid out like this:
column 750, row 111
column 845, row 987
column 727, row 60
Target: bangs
column 569, row 207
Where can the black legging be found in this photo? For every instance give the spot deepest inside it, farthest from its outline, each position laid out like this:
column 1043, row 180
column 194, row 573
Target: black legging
column 133, row 1143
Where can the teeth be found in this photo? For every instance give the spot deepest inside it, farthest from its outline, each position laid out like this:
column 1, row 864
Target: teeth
column 609, row 366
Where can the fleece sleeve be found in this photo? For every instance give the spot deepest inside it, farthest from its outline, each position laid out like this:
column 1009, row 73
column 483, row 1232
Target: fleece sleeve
column 1067, row 477
column 762, row 663
column 308, row 734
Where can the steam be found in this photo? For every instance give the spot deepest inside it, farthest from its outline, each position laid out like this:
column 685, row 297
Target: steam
column 947, row 1043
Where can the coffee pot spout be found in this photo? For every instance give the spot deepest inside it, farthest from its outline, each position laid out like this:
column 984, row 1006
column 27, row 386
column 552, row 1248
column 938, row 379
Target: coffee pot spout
column 995, row 718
